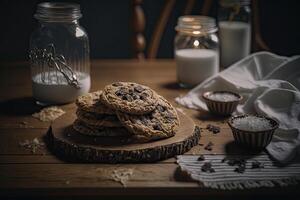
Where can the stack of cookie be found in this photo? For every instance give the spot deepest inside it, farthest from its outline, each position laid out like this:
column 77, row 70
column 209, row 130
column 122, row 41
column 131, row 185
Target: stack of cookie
column 126, row 109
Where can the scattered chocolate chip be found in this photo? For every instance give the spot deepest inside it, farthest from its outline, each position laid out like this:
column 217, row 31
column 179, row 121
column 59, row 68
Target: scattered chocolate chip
column 139, row 88
column 236, row 161
column 143, row 96
column 231, row 162
column 130, row 91
column 207, row 167
column 240, row 163
column 160, row 108
column 144, row 121
column 200, row 144
column 212, row 128
column 157, row 126
column 129, row 98
column 257, row 164
column 116, row 84
column 240, row 169
column 120, row 92
column 201, row 158
column 135, row 96
column 208, row 147
column 170, row 115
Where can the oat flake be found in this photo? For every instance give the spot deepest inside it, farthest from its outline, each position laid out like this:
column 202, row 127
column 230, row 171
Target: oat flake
column 49, row 114
column 122, row 175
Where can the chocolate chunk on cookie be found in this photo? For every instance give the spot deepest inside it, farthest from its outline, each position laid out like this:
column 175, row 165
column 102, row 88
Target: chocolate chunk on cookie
column 85, row 129
column 98, row 120
column 90, row 102
column 129, row 98
column 162, row 122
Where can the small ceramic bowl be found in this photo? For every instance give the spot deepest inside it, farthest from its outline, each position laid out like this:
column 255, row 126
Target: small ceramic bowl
column 221, row 102
column 252, row 131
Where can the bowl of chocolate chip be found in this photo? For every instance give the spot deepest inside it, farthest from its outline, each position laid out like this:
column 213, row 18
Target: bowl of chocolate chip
column 221, row 102
column 252, row 131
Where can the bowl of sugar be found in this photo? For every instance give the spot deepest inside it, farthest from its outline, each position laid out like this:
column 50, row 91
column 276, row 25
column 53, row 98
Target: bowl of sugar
column 221, row 102
column 252, row 131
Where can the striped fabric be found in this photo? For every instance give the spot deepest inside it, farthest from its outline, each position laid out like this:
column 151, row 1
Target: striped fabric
column 225, row 177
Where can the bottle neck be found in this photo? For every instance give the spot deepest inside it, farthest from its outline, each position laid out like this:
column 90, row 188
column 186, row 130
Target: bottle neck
column 196, row 25
column 57, row 23
column 49, row 12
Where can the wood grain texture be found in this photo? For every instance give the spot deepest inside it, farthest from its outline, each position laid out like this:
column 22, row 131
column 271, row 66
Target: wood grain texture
column 40, row 174
column 138, row 27
column 160, row 28
column 69, row 144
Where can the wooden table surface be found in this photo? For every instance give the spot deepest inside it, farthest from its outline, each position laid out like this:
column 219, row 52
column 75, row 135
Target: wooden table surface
column 41, row 174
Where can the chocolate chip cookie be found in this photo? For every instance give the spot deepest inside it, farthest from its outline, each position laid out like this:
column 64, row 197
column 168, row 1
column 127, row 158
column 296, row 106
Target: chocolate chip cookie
column 129, row 98
column 160, row 123
column 90, row 102
column 98, row 120
column 85, row 129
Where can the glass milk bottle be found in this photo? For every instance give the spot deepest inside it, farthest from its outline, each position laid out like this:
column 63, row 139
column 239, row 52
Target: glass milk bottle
column 196, row 50
column 59, row 54
column 234, row 20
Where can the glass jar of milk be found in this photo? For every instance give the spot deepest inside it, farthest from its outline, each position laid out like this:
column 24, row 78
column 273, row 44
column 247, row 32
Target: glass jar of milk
column 59, row 54
column 234, row 20
column 196, row 49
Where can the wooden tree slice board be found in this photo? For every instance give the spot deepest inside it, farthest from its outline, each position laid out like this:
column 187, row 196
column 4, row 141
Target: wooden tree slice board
column 70, row 145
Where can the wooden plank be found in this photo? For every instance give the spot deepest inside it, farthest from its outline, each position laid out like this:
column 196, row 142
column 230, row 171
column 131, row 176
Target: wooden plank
column 17, row 115
column 96, row 179
column 42, row 174
column 12, row 152
column 82, row 175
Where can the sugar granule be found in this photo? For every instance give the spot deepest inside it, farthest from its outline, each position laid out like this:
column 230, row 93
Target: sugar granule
column 252, row 123
column 224, row 97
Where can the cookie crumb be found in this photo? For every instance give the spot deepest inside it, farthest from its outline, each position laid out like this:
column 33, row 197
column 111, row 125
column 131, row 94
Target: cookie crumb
column 208, row 147
column 49, row 114
column 32, row 145
column 122, row 175
column 24, row 124
column 67, row 182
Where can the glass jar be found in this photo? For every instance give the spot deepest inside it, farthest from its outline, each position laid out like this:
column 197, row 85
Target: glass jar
column 196, row 49
column 59, row 54
column 234, row 20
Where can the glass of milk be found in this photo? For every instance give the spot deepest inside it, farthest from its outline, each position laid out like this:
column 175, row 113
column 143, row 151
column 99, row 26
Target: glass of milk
column 196, row 49
column 59, row 54
column 234, row 20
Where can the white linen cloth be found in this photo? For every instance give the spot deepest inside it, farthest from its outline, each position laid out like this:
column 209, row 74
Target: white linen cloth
column 270, row 86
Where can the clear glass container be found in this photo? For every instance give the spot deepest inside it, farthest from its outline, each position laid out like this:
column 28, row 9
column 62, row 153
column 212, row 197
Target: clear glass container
column 59, row 54
column 234, row 21
column 196, row 49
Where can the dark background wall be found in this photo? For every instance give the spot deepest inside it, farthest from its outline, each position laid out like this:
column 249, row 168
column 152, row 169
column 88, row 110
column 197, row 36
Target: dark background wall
column 108, row 25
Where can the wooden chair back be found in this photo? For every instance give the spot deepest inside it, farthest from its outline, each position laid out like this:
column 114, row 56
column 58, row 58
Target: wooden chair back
column 138, row 22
